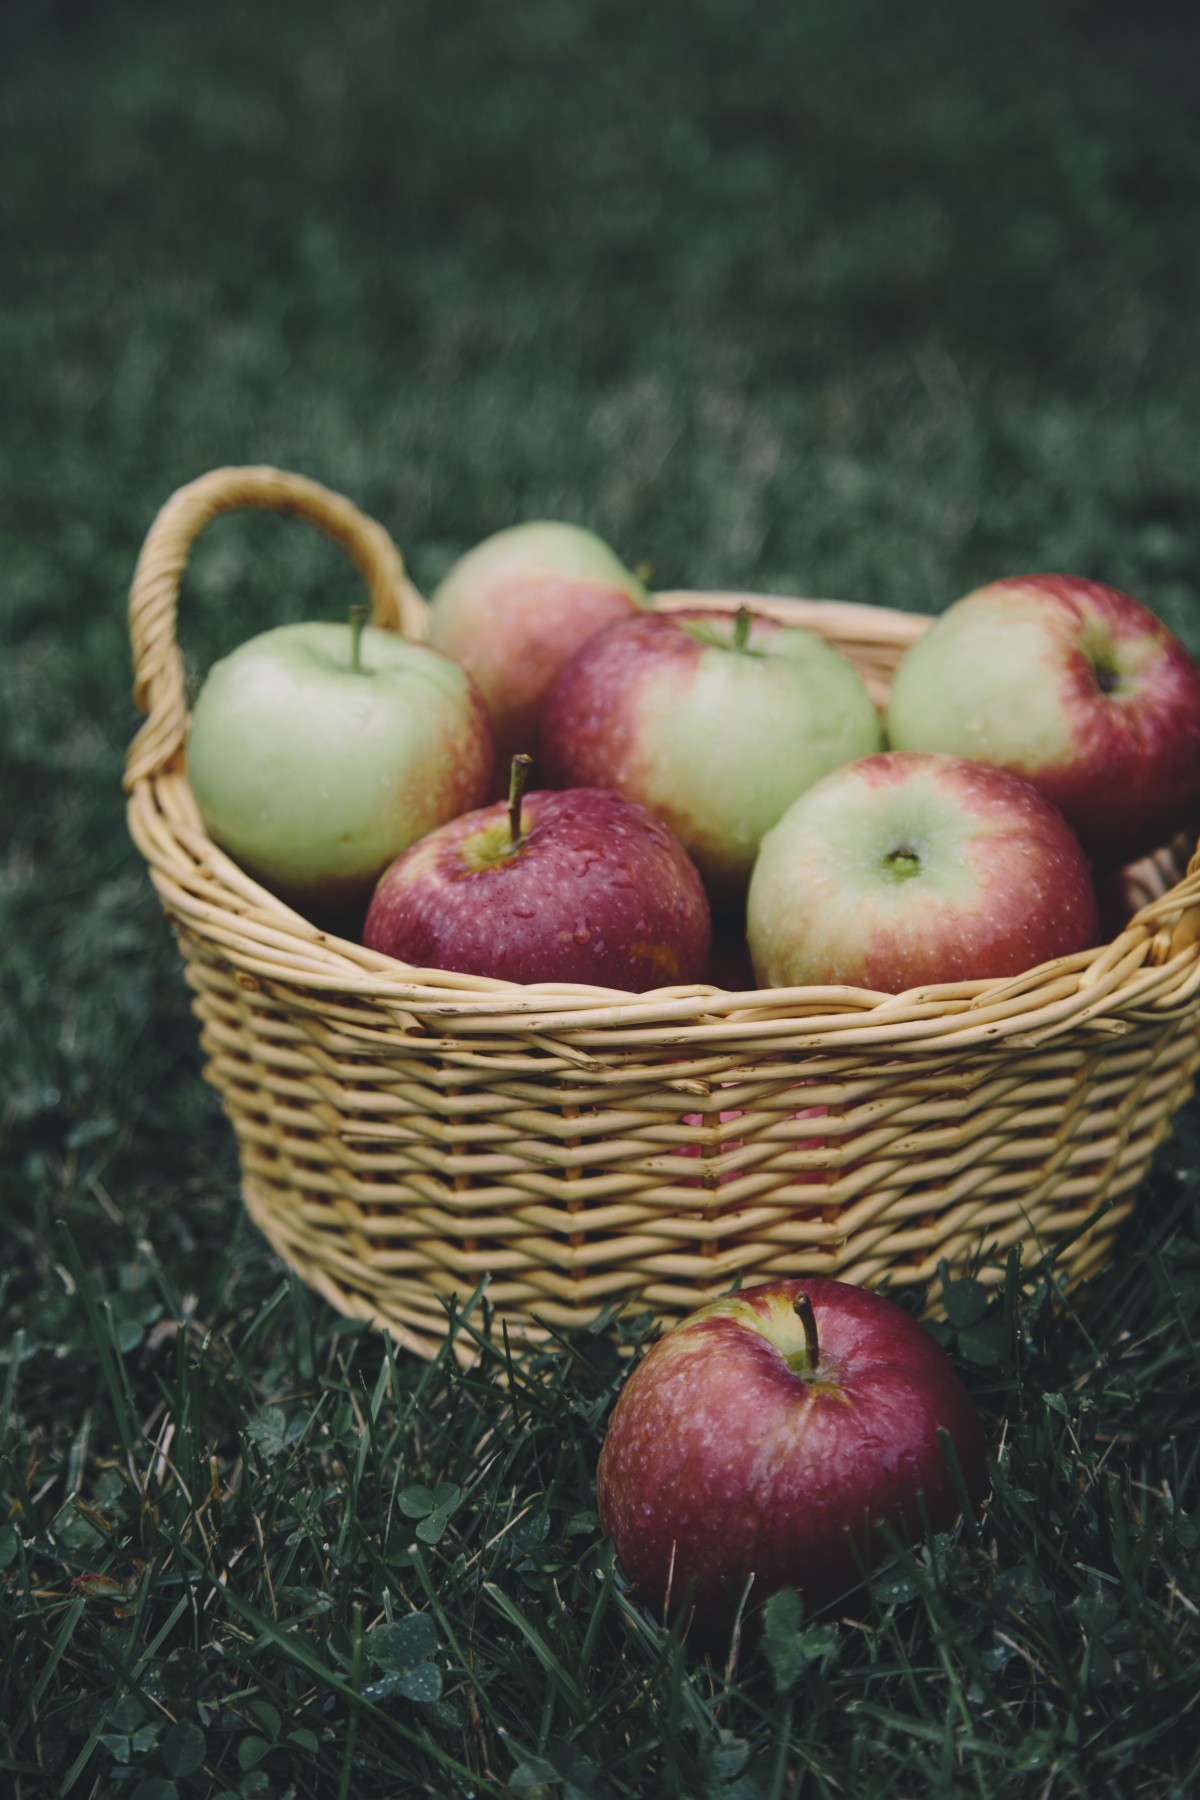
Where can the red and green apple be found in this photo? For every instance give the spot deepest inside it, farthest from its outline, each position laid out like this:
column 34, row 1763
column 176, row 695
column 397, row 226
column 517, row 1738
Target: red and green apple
column 768, row 1441
column 906, row 869
column 1073, row 685
column 716, row 721
column 514, row 608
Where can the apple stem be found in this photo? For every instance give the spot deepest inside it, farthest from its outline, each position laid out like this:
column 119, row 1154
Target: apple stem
column 802, row 1306
column 743, row 620
column 903, row 863
column 518, row 775
column 358, row 618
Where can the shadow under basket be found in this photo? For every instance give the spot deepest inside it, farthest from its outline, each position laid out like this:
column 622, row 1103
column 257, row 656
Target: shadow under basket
column 406, row 1134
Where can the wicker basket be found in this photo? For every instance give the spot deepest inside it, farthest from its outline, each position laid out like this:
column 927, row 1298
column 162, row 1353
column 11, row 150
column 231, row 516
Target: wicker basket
column 405, row 1134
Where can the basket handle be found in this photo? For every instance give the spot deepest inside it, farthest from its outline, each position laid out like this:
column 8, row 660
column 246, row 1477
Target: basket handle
column 158, row 684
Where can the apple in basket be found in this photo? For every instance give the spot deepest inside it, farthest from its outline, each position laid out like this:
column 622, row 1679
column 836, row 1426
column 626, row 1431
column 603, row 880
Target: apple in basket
column 513, row 609
column 775, row 1438
column 714, row 720
column 575, row 886
column 905, row 869
column 1074, row 685
column 319, row 751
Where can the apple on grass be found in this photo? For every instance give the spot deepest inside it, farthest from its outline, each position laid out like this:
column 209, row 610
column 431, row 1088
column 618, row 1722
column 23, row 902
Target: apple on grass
column 513, row 609
column 317, row 752
column 716, row 721
column 575, row 886
column 1073, row 685
column 904, row 870
column 775, row 1439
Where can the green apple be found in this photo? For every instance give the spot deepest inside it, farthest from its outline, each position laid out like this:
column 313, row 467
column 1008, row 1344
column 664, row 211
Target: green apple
column 318, row 752
column 514, row 608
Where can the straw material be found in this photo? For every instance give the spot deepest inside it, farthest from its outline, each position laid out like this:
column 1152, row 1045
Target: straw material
column 407, row 1134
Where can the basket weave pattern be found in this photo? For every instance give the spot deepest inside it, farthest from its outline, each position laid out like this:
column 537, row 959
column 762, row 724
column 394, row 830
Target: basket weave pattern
column 406, row 1134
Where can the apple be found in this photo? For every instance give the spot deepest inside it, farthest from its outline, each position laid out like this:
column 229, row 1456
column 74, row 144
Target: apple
column 318, row 751
column 513, row 609
column 716, row 721
column 906, row 869
column 767, row 1440
column 1072, row 684
column 577, row 886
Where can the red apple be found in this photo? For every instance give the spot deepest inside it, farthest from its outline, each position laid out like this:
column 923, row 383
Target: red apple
column 1073, row 685
column 575, row 886
column 765, row 1441
column 716, row 721
column 906, row 869
column 513, row 609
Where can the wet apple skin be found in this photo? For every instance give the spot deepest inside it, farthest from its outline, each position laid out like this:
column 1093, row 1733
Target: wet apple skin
column 723, row 1467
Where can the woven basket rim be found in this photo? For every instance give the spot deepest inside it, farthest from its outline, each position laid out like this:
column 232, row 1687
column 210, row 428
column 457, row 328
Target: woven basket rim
column 1150, row 970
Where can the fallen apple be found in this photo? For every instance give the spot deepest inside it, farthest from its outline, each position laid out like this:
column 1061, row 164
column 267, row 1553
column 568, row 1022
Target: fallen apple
column 1073, row 685
column 906, row 869
column 774, row 1439
column 575, row 886
column 714, row 720
column 514, row 608
column 317, row 752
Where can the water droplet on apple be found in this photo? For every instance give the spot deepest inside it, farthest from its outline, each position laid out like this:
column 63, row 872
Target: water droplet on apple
column 582, row 934
column 586, row 856
column 523, row 912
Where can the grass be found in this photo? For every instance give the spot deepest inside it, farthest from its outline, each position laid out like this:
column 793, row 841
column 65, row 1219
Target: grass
column 250, row 1549
column 852, row 300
